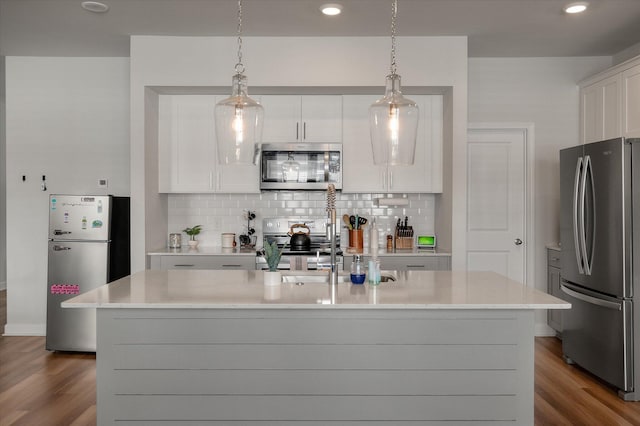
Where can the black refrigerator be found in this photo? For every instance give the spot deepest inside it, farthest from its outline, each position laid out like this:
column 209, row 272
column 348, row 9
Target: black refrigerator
column 599, row 196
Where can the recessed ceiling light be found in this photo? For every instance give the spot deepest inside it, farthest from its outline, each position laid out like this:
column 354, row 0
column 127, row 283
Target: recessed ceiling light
column 331, row 9
column 576, row 7
column 94, row 6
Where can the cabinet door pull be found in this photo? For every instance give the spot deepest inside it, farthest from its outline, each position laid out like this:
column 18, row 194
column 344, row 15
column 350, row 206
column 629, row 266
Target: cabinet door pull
column 231, row 266
column 297, row 131
column 184, row 265
column 304, row 131
column 415, row 266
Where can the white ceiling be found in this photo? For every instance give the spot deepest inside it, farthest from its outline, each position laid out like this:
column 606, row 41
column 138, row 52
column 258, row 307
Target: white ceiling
column 507, row 28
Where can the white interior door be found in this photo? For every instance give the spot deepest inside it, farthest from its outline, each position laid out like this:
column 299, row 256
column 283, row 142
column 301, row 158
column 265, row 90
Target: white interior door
column 496, row 197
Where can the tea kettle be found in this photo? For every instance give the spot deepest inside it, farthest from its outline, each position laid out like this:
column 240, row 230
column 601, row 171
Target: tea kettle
column 300, row 241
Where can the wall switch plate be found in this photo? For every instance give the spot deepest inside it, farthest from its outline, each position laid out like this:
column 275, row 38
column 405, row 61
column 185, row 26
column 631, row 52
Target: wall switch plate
column 103, row 183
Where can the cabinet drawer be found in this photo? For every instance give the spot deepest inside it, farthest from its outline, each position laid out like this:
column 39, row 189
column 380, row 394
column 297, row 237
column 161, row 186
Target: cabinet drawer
column 409, row 263
column 208, row 262
column 553, row 258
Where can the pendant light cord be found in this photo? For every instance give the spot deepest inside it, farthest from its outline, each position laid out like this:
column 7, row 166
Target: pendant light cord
column 394, row 13
column 239, row 66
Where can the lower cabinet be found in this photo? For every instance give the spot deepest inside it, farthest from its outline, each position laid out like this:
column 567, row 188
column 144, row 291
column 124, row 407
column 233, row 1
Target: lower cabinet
column 203, row 262
column 406, row 263
column 554, row 316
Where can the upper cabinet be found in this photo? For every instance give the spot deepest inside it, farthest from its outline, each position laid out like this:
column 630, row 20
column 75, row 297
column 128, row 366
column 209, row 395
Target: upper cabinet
column 600, row 113
column 294, row 118
column 610, row 104
column 631, row 102
column 187, row 157
column 360, row 174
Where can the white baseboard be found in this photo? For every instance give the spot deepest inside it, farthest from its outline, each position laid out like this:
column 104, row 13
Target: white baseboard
column 543, row 330
column 25, row 330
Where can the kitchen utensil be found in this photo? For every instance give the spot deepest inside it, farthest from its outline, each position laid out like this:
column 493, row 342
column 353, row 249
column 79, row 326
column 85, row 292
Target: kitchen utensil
column 352, row 221
column 245, row 240
column 345, row 219
column 362, row 221
column 300, row 241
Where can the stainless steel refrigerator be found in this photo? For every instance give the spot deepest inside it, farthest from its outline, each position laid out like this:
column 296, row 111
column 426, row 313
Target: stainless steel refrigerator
column 88, row 247
column 599, row 230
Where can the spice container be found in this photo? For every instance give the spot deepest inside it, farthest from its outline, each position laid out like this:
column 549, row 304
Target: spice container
column 389, row 243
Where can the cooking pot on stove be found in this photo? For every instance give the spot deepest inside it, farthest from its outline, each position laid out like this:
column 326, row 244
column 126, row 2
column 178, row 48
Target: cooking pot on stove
column 300, row 240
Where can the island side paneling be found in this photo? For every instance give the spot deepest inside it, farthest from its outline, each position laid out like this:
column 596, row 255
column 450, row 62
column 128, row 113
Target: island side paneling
column 336, row 366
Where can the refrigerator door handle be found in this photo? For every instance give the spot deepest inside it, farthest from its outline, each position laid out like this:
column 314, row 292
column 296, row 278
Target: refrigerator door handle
column 590, row 299
column 60, row 248
column 583, row 229
column 588, row 257
column 576, row 227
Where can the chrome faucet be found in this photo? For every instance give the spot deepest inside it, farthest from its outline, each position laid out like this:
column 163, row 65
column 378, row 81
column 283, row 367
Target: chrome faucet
column 332, row 233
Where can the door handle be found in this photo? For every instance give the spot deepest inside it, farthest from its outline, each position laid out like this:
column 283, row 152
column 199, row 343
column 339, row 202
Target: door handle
column 590, row 299
column 61, row 248
column 517, row 242
column 576, row 225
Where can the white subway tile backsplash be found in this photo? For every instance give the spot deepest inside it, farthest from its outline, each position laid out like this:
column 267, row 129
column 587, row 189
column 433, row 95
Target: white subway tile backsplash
column 220, row 213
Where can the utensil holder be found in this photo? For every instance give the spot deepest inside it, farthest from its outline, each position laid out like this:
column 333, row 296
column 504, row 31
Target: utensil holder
column 356, row 241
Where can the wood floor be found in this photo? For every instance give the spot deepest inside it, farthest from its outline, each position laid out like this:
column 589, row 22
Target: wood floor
column 40, row 388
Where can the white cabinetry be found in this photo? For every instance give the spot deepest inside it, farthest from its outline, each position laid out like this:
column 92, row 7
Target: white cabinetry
column 601, row 110
column 631, row 102
column 203, row 262
column 187, row 149
column 610, row 104
column 293, row 118
column 415, row 263
column 360, row 174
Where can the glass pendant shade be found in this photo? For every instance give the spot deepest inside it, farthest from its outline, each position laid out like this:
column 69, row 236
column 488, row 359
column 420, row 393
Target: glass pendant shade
column 238, row 125
column 393, row 121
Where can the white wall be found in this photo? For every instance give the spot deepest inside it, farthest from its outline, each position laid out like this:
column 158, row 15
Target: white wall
column 289, row 61
column 3, row 196
column 542, row 91
column 67, row 119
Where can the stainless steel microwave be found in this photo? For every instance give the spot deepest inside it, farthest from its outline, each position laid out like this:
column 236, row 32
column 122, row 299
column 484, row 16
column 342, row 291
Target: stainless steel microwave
column 300, row 166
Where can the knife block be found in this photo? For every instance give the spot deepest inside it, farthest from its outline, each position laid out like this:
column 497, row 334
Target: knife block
column 404, row 243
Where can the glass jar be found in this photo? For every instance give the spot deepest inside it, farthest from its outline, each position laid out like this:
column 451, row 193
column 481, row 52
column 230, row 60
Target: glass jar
column 357, row 270
column 374, row 271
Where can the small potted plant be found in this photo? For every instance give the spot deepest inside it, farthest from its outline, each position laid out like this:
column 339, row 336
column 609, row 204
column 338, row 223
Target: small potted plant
column 192, row 232
column 272, row 255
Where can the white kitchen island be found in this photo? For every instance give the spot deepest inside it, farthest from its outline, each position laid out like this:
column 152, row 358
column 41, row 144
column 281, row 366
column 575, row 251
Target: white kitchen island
column 220, row 348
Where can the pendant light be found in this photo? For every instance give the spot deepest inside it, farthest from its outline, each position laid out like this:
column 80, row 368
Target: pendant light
column 393, row 119
column 238, row 118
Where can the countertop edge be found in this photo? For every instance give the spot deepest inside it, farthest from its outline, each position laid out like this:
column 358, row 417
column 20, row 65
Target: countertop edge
column 528, row 306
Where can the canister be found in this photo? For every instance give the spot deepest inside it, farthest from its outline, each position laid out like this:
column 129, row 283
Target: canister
column 175, row 240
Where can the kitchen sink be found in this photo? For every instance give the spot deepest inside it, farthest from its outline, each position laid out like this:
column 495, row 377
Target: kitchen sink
column 323, row 277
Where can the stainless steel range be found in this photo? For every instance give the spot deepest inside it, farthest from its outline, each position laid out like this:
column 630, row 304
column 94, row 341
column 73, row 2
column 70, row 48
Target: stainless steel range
column 315, row 256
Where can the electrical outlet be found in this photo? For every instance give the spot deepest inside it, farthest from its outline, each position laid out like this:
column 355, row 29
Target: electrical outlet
column 103, row 183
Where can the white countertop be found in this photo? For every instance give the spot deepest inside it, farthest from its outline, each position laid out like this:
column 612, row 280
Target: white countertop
column 198, row 289
column 219, row 251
